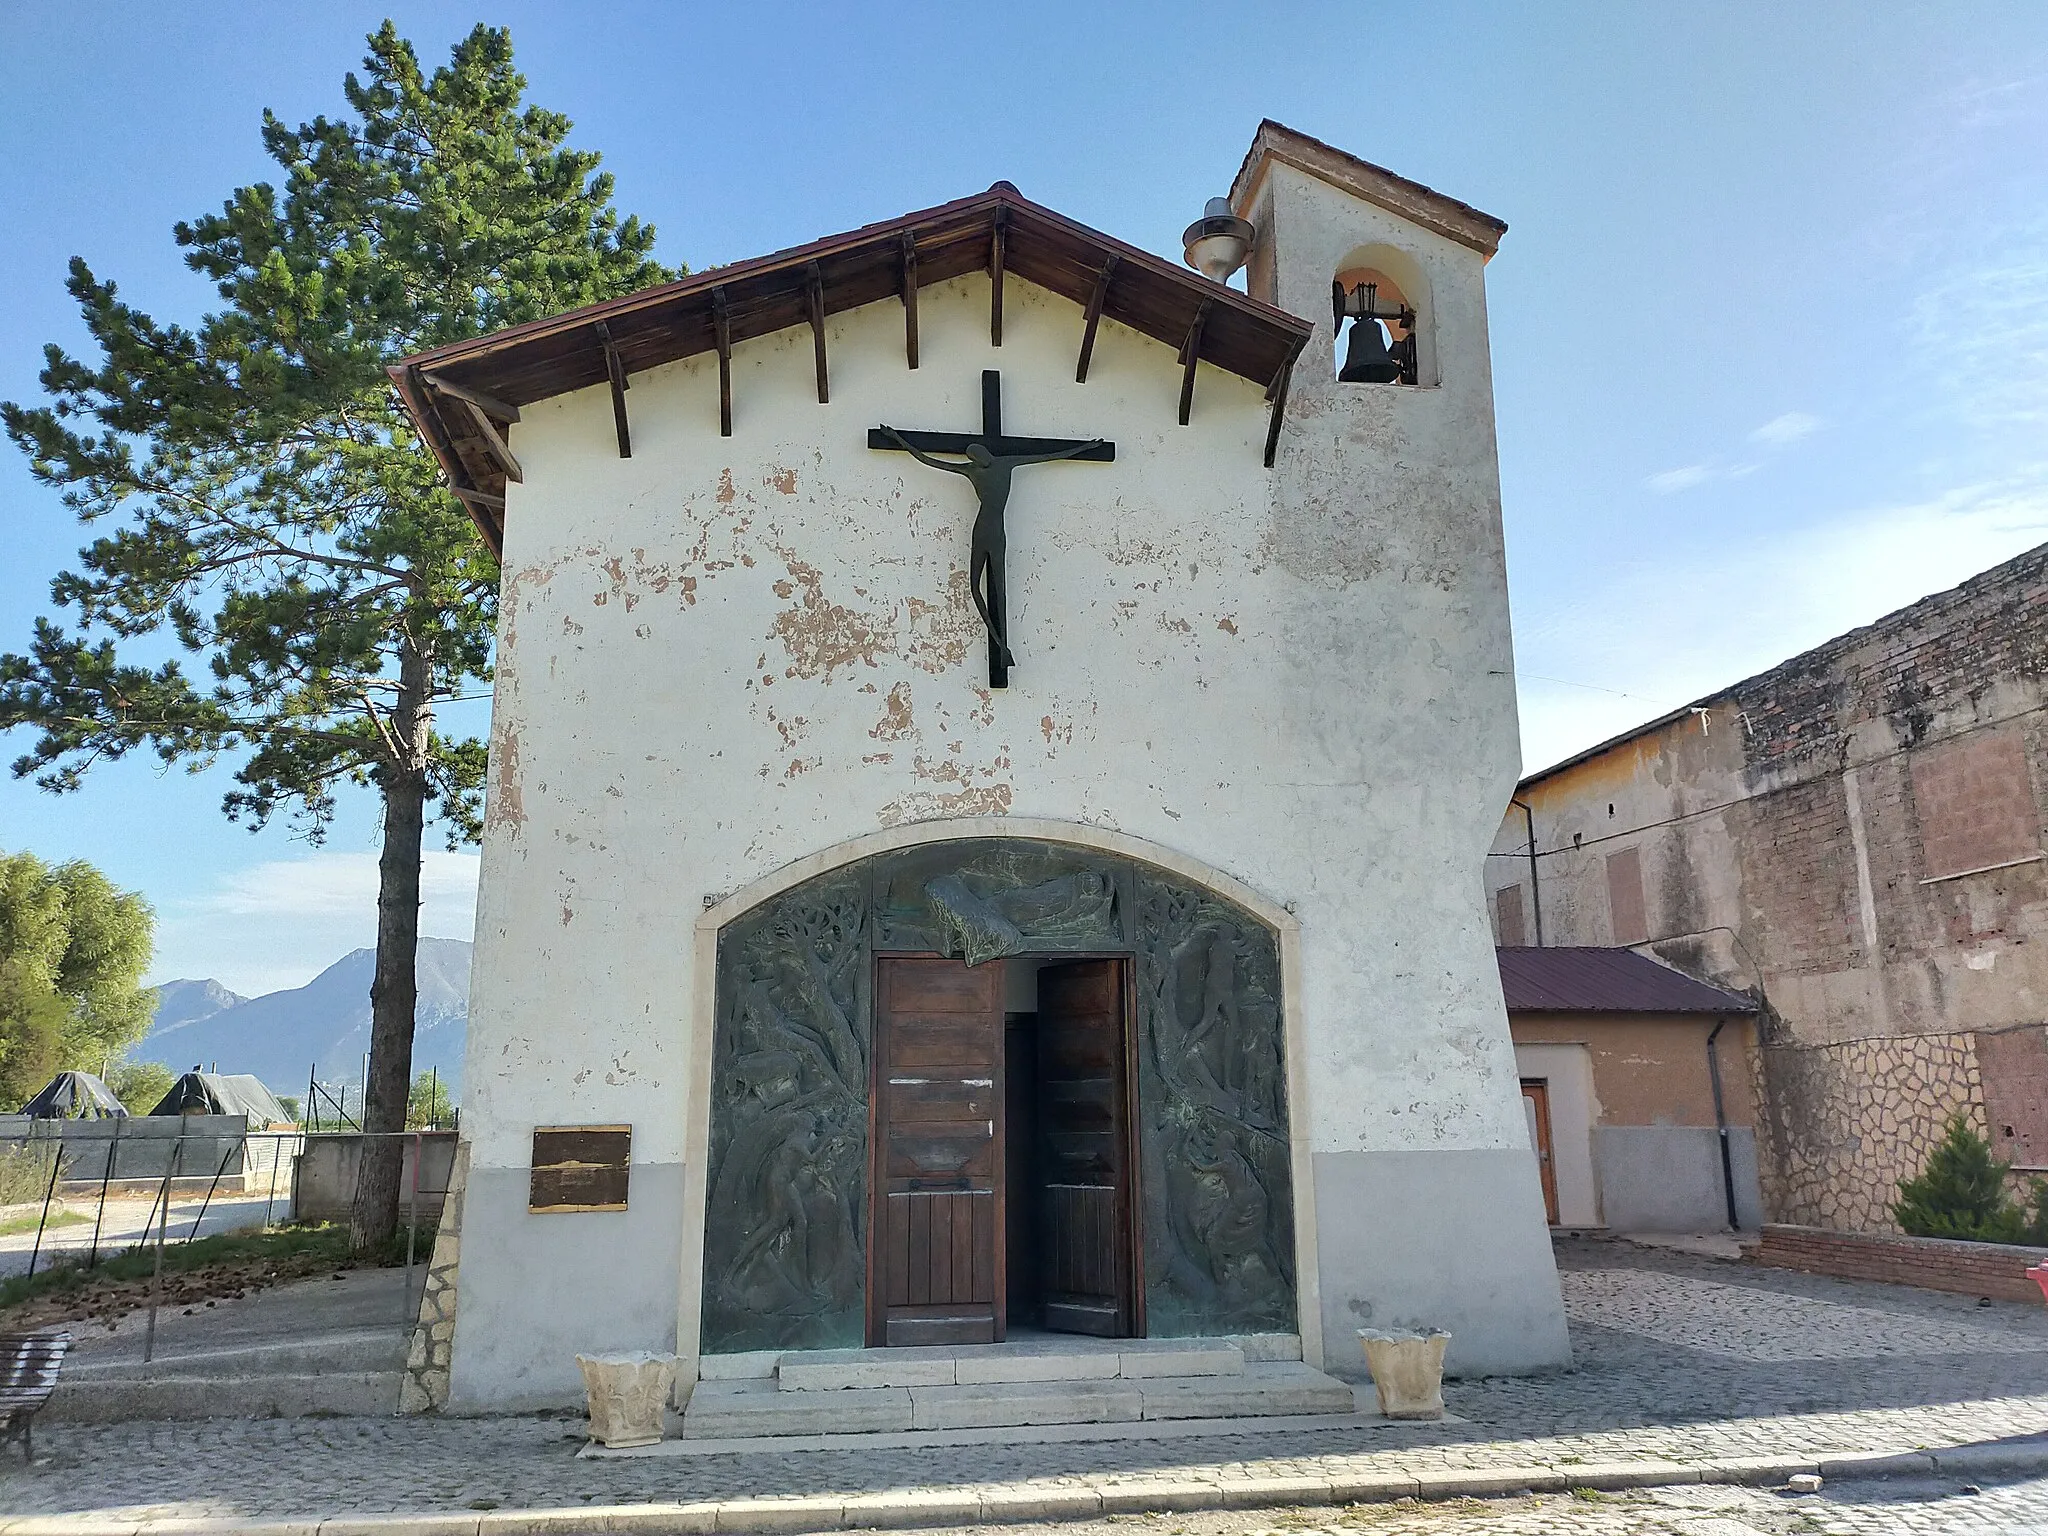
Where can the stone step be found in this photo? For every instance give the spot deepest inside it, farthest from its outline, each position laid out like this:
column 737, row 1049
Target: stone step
column 756, row 1407
column 1019, row 1360
column 1032, row 1360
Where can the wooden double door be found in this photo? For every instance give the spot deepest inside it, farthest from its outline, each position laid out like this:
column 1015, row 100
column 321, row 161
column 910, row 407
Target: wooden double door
column 972, row 1119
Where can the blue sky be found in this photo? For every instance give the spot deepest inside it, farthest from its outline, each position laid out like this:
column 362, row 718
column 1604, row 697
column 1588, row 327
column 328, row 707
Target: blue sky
column 1770, row 322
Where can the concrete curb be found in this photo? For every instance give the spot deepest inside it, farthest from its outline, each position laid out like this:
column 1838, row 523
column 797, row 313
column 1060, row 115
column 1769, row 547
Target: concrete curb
column 948, row 1507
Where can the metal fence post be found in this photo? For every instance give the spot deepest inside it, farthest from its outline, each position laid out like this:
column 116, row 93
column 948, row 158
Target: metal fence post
column 106, row 1178
column 276, row 1157
column 156, row 1279
column 223, row 1168
column 56, row 1166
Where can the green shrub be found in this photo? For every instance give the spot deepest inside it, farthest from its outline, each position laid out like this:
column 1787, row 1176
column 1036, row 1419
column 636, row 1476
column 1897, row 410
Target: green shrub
column 2037, row 1215
column 1961, row 1193
column 140, row 1085
column 25, row 1171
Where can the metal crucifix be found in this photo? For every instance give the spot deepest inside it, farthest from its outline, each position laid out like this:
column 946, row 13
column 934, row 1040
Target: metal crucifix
column 990, row 459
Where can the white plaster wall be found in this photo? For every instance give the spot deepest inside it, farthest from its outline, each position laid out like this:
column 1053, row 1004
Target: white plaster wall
column 723, row 654
column 1568, row 1069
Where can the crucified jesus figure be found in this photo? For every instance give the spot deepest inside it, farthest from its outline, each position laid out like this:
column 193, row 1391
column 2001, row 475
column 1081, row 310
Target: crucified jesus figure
column 989, row 474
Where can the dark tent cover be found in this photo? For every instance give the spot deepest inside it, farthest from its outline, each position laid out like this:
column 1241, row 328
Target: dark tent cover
column 74, row 1096
column 218, row 1093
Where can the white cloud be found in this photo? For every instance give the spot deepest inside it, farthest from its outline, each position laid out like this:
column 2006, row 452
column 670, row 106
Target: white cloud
column 1778, row 432
column 280, row 923
column 1789, row 428
column 1701, row 618
column 1672, row 481
column 334, row 884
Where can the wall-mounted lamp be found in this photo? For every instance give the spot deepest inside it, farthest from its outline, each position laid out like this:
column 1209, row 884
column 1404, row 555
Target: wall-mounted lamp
column 1217, row 243
column 1368, row 359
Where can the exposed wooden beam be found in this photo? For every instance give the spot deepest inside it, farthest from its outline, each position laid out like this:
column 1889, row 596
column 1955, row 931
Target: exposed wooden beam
column 1095, row 303
column 910, row 297
column 478, row 498
column 617, row 372
column 1277, row 393
column 721, row 323
column 998, row 239
column 489, row 404
column 494, row 444
column 814, row 300
column 415, row 398
column 1190, row 354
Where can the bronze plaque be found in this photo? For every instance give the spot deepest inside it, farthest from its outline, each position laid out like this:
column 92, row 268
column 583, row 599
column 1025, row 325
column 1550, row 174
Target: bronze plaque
column 580, row 1167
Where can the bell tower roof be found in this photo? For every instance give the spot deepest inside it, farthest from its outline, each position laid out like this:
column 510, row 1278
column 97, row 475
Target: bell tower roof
column 1374, row 184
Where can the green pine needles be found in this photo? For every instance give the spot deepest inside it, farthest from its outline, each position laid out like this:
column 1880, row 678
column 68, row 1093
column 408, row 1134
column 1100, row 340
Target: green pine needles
column 270, row 520
column 1961, row 1194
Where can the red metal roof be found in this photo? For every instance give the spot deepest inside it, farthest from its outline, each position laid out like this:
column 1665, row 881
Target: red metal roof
column 1588, row 980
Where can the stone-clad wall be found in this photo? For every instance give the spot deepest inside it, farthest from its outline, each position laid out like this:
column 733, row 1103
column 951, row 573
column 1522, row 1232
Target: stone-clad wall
column 1881, row 1104
column 1856, row 837
column 432, row 1351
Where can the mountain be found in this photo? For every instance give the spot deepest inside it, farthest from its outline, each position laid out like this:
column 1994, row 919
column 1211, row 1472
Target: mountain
column 187, row 1002
column 283, row 1037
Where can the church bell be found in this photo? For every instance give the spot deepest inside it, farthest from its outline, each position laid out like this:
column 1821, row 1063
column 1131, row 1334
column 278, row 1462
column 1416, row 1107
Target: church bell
column 1366, row 358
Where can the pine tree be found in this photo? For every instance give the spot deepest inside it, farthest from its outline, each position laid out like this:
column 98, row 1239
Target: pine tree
column 275, row 514
column 1960, row 1193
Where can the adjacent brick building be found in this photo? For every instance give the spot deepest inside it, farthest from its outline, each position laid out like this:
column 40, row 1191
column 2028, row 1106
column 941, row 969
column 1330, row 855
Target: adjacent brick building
column 1856, row 838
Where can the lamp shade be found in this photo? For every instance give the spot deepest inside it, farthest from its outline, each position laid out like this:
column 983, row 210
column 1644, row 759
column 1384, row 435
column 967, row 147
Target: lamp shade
column 1217, row 243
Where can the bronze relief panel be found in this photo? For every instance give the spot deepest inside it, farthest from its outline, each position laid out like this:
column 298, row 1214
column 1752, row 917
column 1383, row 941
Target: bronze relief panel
column 785, row 1240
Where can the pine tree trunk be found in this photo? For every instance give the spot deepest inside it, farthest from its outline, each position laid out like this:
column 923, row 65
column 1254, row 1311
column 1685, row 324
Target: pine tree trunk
column 394, row 992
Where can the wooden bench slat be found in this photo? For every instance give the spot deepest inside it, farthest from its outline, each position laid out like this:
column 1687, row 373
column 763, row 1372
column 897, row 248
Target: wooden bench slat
column 29, row 1363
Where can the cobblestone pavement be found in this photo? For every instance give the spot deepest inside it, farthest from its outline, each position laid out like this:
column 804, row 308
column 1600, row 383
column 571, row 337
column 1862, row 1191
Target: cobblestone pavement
column 1680, row 1358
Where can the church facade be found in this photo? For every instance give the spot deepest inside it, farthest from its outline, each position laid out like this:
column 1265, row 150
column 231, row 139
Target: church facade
column 993, row 753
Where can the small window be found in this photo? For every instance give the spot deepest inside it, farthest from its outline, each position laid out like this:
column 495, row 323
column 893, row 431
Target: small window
column 1507, row 917
column 1975, row 805
column 1625, row 908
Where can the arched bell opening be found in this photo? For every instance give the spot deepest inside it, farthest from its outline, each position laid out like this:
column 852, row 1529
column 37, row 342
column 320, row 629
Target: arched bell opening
column 1379, row 305
column 846, row 1063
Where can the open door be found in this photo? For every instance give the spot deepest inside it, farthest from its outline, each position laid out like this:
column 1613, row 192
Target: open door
column 935, row 1250
column 1085, row 1165
column 1536, row 1106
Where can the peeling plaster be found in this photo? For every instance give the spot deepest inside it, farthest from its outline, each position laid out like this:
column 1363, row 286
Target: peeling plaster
column 507, row 808
column 895, row 723
column 982, row 800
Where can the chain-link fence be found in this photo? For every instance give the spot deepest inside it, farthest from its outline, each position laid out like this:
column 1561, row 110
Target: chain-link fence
column 123, row 1193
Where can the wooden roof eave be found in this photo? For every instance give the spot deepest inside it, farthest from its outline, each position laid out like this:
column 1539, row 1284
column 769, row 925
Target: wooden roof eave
column 712, row 311
column 482, row 494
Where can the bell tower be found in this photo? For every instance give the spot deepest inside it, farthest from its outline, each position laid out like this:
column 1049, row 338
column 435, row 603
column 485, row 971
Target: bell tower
column 1385, row 511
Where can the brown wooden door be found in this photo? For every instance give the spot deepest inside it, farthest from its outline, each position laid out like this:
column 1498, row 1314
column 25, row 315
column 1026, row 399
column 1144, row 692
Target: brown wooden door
column 1087, row 1266
column 935, row 1259
column 1536, row 1105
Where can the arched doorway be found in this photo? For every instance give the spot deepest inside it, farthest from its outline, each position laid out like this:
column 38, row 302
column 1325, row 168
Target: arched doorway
column 814, row 1118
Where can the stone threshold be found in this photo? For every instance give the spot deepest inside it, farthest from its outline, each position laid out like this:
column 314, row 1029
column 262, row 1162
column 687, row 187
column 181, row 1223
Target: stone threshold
column 1024, row 1434
column 1030, row 1357
column 1019, row 1502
